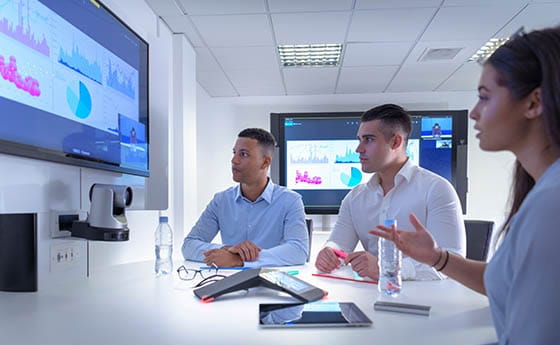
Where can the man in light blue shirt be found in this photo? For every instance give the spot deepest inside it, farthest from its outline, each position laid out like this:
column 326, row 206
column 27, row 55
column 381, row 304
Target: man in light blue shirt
column 260, row 223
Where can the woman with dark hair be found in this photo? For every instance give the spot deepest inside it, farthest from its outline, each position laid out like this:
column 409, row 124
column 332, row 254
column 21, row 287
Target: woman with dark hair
column 518, row 111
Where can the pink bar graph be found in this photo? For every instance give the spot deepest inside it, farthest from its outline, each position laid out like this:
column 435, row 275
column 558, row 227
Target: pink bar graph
column 24, row 34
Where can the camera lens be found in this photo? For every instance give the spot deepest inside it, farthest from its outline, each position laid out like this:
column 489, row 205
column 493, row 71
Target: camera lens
column 128, row 196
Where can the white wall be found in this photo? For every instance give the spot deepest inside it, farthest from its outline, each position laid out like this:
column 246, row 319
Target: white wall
column 220, row 119
column 184, row 136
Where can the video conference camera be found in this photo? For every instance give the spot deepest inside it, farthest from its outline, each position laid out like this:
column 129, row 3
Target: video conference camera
column 106, row 220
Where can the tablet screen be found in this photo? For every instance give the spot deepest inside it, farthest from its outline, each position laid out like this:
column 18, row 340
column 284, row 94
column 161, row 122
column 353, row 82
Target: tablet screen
column 314, row 314
column 285, row 280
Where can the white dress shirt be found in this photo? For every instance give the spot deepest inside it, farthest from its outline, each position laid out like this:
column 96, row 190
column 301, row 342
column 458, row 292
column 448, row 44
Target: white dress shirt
column 417, row 190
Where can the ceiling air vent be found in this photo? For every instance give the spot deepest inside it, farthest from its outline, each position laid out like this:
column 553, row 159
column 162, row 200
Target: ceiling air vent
column 439, row 54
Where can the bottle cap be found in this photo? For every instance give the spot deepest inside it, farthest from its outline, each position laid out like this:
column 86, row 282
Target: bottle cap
column 163, row 219
column 390, row 222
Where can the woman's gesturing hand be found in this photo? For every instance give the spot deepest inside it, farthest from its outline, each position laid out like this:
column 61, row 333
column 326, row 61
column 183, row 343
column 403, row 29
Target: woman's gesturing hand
column 419, row 244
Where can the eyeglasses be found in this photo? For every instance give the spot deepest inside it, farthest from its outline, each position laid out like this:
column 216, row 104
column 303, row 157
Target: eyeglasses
column 208, row 276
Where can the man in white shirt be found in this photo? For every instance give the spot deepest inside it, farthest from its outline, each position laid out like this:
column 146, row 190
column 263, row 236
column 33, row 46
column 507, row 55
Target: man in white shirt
column 397, row 188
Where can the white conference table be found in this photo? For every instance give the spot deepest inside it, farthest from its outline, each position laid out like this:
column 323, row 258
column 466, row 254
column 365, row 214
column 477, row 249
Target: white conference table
column 127, row 304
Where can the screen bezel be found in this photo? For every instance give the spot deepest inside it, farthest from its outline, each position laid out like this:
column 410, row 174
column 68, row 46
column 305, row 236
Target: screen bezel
column 458, row 154
column 59, row 156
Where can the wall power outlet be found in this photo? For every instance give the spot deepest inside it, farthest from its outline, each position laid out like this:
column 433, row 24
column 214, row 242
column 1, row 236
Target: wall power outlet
column 65, row 255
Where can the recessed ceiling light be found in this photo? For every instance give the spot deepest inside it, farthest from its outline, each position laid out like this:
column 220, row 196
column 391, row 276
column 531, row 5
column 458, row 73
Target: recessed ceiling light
column 487, row 49
column 314, row 55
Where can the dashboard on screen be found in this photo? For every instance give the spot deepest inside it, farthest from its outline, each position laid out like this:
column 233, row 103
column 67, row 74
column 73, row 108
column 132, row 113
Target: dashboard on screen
column 73, row 85
column 317, row 156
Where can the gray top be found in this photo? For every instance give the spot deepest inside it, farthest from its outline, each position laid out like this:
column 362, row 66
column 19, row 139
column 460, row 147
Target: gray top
column 523, row 278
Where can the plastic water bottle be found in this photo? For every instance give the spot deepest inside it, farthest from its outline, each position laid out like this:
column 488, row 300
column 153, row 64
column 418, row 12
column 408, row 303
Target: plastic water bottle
column 164, row 247
column 390, row 261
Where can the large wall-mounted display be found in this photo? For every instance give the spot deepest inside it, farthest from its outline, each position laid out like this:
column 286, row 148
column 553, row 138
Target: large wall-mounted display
column 73, row 85
column 317, row 156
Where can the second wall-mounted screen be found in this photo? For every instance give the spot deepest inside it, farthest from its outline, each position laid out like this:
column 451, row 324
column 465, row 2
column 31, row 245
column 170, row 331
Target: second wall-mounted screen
column 317, row 156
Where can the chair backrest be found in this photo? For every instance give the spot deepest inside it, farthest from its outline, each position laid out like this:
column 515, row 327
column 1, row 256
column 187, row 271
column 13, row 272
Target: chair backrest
column 309, row 223
column 479, row 234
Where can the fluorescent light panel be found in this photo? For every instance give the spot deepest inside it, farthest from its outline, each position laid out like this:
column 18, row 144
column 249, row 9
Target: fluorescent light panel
column 487, row 49
column 298, row 55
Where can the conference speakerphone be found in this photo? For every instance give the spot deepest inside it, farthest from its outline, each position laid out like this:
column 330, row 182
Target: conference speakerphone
column 266, row 277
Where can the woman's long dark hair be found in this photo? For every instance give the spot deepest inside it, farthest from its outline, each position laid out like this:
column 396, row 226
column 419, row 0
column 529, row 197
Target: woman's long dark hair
column 523, row 64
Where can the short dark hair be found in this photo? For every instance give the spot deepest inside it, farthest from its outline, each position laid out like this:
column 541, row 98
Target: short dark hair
column 264, row 138
column 393, row 118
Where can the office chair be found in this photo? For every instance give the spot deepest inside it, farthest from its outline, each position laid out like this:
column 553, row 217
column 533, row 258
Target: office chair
column 309, row 223
column 479, row 234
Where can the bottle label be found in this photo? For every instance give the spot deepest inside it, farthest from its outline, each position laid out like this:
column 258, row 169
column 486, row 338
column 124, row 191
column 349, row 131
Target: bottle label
column 390, row 222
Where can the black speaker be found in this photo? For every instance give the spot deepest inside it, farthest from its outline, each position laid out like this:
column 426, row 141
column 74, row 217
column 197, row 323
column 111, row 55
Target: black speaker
column 18, row 252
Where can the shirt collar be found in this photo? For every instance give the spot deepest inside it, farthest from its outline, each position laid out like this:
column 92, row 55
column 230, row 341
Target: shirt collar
column 266, row 194
column 405, row 173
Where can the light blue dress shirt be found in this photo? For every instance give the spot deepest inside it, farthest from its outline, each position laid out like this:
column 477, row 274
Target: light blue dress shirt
column 523, row 278
column 275, row 222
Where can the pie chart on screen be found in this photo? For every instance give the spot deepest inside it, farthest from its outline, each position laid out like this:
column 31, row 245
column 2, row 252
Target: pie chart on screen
column 79, row 100
column 353, row 179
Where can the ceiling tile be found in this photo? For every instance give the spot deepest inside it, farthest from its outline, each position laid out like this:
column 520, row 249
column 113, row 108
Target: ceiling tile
column 375, row 4
column 215, row 83
column 421, row 77
column 261, row 91
column 381, row 26
column 533, row 17
column 456, row 23
column 205, row 61
column 257, row 77
column 309, row 5
column 509, row 3
column 375, row 54
column 312, row 80
column 328, row 27
column 198, row 7
column 182, row 24
column 229, row 31
column 464, row 79
column 259, row 82
column 247, row 57
column 164, row 7
column 365, row 79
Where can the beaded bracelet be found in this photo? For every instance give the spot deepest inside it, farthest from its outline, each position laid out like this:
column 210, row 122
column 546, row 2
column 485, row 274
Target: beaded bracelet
column 439, row 257
column 445, row 262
